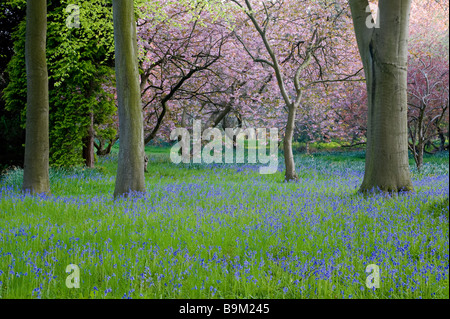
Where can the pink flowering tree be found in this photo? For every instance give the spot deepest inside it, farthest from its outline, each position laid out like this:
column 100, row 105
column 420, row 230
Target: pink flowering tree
column 428, row 79
column 302, row 45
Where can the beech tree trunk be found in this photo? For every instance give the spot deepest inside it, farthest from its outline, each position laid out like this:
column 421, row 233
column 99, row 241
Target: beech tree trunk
column 384, row 53
column 130, row 172
column 36, row 163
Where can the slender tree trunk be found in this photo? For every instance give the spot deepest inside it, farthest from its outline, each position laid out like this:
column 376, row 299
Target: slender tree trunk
column 421, row 140
column 442, row 141
column 384, row 52
column 239, row 120
column 290, row 174
column 36, row 165
column 183, row 125
column 420, row 151
column 307, row 148
column 130, row 172
column 88, row 147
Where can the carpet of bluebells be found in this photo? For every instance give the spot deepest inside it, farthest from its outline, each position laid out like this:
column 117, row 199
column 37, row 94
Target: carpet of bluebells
column 224, row 231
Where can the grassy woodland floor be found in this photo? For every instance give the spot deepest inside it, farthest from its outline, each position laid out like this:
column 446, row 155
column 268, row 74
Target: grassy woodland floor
column 224, row 231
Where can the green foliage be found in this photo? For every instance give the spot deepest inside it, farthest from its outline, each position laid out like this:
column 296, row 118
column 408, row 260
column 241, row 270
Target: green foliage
column 80, row 66
column 15, row 94
column 80, row 52
column 12, row 135
column 82, row 59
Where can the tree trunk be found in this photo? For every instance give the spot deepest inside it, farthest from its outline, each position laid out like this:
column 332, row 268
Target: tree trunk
column 442, row 141
column 307, row 148
column 419, row 160
column 88, row 144
column 36, row 164
column 384, row 52
column 130, row 172
column 290, row 174
column 183, row 125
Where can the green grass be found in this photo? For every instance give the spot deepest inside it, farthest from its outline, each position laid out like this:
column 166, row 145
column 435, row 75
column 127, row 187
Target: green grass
column 224, row 231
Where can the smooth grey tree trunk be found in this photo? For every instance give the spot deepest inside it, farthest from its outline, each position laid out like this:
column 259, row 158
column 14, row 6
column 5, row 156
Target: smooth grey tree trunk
column 36, row 163
column 130, row 172
column 384, row 53
column 290, row 174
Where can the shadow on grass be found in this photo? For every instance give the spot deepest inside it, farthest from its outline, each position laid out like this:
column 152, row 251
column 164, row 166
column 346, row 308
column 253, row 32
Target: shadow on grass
column 438, row 207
